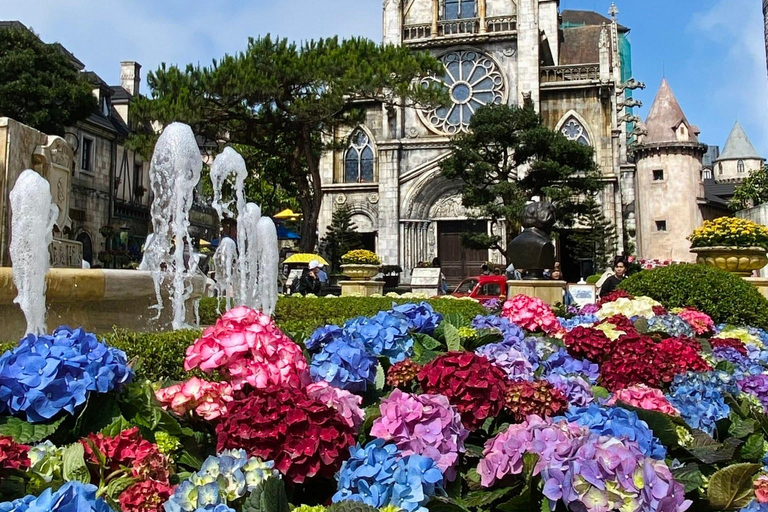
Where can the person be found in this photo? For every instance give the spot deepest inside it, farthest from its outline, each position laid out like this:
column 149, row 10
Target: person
column 309, row 283
column 443, row 283
column 321, row 275
column 512, row 273
column 485, row 270
column 619, row 274
column 557, row 275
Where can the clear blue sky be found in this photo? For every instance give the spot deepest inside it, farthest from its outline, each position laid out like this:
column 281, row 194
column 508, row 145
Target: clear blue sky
column 712, row 51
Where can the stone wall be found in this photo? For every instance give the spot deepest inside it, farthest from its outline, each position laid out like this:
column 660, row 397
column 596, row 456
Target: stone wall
column 757, row 214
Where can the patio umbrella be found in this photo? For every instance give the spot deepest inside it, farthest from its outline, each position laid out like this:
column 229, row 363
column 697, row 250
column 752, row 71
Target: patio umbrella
column 287, row 214
column 304, row 257
column 284, row 233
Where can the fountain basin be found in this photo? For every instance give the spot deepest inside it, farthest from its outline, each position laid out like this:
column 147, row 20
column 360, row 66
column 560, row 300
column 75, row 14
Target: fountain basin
column 95, row 299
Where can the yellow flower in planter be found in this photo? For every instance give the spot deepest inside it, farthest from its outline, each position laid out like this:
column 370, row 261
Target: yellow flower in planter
column 360, row 257
column 730, row 232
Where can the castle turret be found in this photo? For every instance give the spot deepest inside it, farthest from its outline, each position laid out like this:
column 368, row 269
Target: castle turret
column 669, row 185
column 738, row 158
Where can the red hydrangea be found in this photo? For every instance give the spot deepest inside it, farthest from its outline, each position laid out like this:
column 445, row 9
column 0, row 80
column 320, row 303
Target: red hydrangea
column 616, row 294
column 301, row 434
column 679, row 355
column 401, row 374
column 472, row 383
column 538, row 398
column 146, row 496
column 630, row 361
column 12, row 454
column 659, row 310
column 621, row 323
column 128, row 449
column 733, row 343
column 586, row 342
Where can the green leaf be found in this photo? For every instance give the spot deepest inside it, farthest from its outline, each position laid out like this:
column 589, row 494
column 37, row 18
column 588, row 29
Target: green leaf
column 187, row 459
column 520, row 503
column 709, row 451
column 741, row 427
column 455, row 320
column 689, row 476
column 529, row 464
column 426, row 356
column 24, row 432
column 600, row 392
column 74, row 468
column 116, row 487
column 663, row 425
column 372, row 413
column 268, row 496
column 452, row 338
column 483, row 497
column 117, row 426
column 731, row 488
column 754, row 449
column 443, row 504
column 725, row 366
column 381, row 378
column 427, row 341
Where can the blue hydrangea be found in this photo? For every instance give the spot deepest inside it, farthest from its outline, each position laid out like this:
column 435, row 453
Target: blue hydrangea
column 419, row 317
column 47, row 374
column 670, row 324
column 514, row 363
column 70, row 497
column 378, row 475
column 699, row 398
column 570, row 323
column 385, row 334
column 511, row 333
column 621, row 423
column 755, row 506
column 757, row 354
column 730, row 354
column 323, row 336
column 562, row 363
column 344, row 363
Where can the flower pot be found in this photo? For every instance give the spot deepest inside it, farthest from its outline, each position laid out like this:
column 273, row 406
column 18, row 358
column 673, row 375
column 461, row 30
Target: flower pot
column 357, row 272
column 737, row 260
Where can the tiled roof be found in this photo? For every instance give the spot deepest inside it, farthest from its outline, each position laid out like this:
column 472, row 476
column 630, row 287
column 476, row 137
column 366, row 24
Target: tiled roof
column 665, row 117
column 581, row 45
column 572, row 17
column 738, row 146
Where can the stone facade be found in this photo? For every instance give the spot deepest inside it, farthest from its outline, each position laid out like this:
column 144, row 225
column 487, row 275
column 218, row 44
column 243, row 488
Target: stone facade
column 493, row 51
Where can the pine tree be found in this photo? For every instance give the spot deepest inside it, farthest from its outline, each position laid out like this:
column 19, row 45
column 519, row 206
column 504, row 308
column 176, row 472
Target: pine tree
column 598, row 241
column 341, row 237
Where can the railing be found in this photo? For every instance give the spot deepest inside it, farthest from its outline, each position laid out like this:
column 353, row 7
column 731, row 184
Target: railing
column 459, row 27
column 584, row 72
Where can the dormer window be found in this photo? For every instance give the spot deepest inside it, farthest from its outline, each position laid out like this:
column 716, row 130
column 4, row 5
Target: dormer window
column 459, row 9
column 682, row 132
column 740, row 167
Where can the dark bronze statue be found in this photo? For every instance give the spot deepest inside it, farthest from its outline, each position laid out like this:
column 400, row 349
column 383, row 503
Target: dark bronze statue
column 533, row 250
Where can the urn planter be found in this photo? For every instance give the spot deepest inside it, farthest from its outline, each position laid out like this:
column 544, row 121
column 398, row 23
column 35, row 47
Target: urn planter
column 359, row 272
column 737, row 260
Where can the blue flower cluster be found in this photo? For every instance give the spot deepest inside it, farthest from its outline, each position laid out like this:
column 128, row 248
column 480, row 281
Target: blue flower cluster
column 670, row 324
column 732, row 355
column 419, row 317
column 46, row 374
column 577, row 391
column 621, row 423
column 378, row 475
column 699, row 398
column 755, row 506
column 221, row 479
column 511, row 333
column 323, row 336
column 70, row 497
column 385, row 334
column 346, row 364
column 562, row 363
column 575, row 321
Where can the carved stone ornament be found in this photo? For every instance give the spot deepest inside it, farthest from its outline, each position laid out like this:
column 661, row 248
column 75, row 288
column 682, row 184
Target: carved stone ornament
column 341, row 199
column 510, row 51
column 448, row 207
column 412, row 132
column 373, row 198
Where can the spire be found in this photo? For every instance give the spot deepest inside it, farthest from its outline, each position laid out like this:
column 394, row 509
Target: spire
column 664, row 120
column 738, row 146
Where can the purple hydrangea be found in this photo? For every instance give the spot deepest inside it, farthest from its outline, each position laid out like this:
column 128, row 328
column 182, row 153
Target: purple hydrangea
column 423, row 425
column 562, row 363
column 577, row 391
column 514, row 363
column 756, row 385
column 511, row 333
column 419, row 317
column 589, row 309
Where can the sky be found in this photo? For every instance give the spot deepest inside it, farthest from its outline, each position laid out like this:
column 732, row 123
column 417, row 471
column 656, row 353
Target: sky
column 712, row 52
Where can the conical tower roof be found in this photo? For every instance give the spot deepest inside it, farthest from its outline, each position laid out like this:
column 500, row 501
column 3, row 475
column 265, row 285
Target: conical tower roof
column 738, row 146
column 665, row 118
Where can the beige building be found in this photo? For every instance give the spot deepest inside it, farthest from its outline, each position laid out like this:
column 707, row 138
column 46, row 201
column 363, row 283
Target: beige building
column 573, row 66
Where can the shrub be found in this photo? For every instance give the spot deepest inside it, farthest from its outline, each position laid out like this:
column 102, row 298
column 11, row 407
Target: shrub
column 722, row 295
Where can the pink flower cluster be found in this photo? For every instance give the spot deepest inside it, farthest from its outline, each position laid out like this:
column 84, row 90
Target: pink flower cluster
column 644, row 397
column 247, row 347
column 425, row 425
column 207, row 399
column 761, row 488
column 530, row 313
column 700, row 322
column 347, row 404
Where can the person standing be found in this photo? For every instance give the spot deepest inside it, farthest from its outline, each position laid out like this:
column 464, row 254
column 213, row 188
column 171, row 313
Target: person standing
column 619, row 275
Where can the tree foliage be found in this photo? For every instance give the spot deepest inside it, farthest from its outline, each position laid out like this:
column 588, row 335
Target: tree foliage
column 285, row 101
column 507, row 157
column 598, row 240
column 39, row 84
column 341, row 237
column 752, row 191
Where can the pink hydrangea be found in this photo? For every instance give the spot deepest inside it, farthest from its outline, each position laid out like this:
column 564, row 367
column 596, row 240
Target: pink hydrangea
column 207, row 399
column 644, row 397
column 531, row 314
column 425, row 425
column 346, row 403
column 700, row 322
column 247, row 347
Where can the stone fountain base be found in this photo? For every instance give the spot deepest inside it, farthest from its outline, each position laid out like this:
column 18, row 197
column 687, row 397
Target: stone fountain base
column 95, row 299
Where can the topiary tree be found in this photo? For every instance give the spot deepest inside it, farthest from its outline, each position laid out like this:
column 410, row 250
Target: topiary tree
column 341, row 237
column 722, row 295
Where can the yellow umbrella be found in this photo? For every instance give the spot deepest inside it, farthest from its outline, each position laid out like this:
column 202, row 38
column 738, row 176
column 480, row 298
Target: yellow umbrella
column 305, row 258
column 287, row 214
column 204, row 243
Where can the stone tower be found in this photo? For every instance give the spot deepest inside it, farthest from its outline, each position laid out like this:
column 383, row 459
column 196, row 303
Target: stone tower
column 669, row 187
column 738, row 158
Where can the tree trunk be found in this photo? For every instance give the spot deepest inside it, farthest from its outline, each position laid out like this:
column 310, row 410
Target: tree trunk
column 312, row 200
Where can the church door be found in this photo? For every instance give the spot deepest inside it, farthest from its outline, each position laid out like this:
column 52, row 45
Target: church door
column 458, row 261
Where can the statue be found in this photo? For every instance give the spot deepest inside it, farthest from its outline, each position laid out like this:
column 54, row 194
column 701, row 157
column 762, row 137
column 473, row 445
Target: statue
column 533, row 250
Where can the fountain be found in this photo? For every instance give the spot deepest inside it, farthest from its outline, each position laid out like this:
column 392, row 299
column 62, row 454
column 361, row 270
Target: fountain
column 249, row 260
column 227, row 163
column 31, row 234
column 269, row 263
column 225, row 261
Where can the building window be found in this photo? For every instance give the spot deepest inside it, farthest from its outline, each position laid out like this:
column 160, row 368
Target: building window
column 574, row 130
column 720, row 169
column 707, row 174
column 740, row 166
column 661, row 225
column 658, row 175
column 358, row 162
column 458, row 9
column 86, row 162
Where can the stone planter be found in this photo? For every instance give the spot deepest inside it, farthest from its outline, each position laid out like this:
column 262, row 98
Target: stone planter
column 737, row 260
column 357, row 272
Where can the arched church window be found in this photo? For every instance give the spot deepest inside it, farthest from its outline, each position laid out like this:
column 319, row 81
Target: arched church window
column 458, row 9
column 358, row 161
column 574, row 130
column 473, row 80
column 719, row 168
column 740, row 166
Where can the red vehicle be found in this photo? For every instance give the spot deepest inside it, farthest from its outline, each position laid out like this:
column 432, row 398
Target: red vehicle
column 482, row 288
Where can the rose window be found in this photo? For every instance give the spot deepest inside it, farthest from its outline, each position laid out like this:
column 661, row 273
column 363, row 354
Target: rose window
column 573, row 130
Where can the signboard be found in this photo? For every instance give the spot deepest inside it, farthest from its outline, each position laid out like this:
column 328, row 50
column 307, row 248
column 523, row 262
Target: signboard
column 583, row 294
column 66, row 253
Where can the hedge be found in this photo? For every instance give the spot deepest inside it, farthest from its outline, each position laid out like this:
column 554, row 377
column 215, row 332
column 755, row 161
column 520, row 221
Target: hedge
column 725, row 297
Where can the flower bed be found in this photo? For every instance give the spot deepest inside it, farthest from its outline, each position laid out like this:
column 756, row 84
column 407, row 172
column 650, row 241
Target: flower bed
column 618, row 406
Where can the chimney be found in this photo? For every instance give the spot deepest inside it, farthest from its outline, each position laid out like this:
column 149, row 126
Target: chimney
column 130, row 76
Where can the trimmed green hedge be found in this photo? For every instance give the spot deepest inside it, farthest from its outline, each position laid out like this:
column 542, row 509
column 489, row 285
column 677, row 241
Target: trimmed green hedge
column 723, row 296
